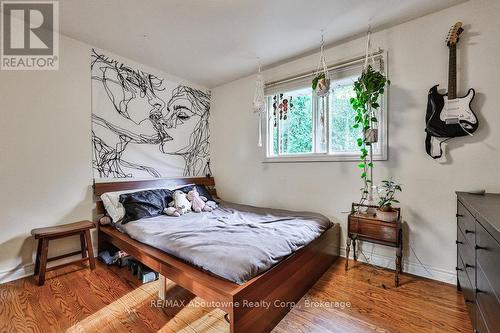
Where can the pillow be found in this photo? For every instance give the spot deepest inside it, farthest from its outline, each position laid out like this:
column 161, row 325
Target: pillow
column 202, row 190
column 143, row 204
column 113, row 206
column 111, row 202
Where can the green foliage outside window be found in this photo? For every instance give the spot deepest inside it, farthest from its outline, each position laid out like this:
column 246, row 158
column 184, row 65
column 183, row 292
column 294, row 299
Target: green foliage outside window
column 343, row 134
column 296, row 132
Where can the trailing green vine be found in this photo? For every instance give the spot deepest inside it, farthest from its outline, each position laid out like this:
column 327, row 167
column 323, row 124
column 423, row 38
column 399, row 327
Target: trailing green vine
column 368, row 88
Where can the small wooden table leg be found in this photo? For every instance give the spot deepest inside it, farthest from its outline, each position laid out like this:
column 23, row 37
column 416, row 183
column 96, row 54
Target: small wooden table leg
column 397, row 269
column 354, row 250
column 90, row 250
column 43, row 261
column 37, row 260
column 347, row 250
column 399, row 259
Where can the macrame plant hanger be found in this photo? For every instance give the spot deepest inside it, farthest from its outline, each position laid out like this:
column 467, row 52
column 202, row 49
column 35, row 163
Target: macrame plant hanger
column 322, row 86
column 259, row 102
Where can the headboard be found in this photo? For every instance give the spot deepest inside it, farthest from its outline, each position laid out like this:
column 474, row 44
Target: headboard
column 100, row 188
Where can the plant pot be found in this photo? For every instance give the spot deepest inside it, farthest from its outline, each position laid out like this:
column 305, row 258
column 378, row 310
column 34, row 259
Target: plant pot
column 323, row 87
column 387, row 216
column 371, row 135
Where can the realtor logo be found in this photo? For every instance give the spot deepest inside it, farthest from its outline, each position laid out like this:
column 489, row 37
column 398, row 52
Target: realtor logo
column 29, row 32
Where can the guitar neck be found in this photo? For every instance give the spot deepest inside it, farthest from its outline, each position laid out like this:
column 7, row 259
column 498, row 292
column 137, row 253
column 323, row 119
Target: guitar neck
column 452, row 73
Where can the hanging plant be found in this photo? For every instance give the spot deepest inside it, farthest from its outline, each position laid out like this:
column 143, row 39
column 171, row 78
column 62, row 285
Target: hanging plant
column 316, row 80
column 321, row 80
column 368, row 88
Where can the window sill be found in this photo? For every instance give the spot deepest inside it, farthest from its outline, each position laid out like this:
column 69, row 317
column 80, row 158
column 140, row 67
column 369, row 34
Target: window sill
column 319, row 158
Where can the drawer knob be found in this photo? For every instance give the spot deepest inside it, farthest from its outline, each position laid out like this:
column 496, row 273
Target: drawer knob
column 458, row 242
column 469, row 301
column 469, row 266
column 459, row 269
column 480, row 247
column 469, row 231
column 459, row 215
column 478, row 291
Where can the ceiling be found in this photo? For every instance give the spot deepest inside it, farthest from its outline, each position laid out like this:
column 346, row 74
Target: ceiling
column 211, row 42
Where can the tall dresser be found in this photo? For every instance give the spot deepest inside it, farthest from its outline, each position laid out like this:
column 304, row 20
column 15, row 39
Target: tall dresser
column 478, row 258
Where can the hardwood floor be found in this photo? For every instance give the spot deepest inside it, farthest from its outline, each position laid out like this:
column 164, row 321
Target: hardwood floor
column 75, row 299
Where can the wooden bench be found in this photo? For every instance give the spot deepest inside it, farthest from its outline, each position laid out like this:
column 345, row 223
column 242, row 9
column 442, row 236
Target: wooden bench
column 44, row 235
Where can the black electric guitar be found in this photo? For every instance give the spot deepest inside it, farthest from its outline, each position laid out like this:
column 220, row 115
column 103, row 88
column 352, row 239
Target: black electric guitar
column 447, row 115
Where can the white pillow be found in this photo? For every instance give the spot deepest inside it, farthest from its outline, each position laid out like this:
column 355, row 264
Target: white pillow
column 111, row 202
column 113, row 206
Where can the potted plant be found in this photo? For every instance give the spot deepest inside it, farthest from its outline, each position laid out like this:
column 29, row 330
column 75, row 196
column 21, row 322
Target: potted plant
column 368, row 89
column 321, row 84
column 387, row 192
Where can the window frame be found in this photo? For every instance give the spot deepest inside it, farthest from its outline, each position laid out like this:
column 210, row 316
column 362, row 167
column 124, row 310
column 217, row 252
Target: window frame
column 327, row 156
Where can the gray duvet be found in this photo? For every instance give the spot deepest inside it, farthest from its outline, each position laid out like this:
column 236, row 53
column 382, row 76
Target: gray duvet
column 235, row 242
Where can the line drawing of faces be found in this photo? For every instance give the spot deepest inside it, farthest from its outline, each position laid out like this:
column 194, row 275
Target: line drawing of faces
column 178, row 127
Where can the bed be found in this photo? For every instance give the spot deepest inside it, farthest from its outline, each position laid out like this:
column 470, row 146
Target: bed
column 295, row 264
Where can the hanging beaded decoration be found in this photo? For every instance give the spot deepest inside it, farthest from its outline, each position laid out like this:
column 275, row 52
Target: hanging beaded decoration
column 275, row 106
column 281, row 106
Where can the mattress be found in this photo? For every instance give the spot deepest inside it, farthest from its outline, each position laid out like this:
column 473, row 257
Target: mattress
column 235, row 242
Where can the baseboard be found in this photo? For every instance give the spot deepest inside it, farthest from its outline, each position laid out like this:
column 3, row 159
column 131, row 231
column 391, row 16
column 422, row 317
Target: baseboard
column 16, row 273
column 28, row 269
column 408, row 267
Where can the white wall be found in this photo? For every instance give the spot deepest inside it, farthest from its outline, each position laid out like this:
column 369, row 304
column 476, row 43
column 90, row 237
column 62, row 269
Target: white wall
column 45, row 152
column 417, row 59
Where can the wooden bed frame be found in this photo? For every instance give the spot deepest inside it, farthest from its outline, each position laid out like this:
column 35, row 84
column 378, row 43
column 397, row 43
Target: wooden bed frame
column 286, row 282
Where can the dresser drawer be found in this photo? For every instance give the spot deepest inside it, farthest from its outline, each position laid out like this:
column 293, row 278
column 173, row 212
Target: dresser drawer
column 487, row 302
column 467, row 253
column 481, row 323
column 488, row 258
column 467, row 223
column 467, row 290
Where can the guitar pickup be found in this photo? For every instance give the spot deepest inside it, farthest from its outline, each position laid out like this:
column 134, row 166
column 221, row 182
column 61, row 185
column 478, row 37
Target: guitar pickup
column 450, row 121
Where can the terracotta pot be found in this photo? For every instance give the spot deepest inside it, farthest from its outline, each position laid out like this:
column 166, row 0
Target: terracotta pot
column 387, row 216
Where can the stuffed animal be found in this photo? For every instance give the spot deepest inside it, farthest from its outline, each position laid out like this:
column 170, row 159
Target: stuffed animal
column 211, row 204
column 172, row 211
column 180, row 205
column 198, row 202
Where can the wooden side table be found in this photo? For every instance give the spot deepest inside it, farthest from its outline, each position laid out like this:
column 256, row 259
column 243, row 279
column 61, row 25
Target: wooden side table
column 44, row 235
column 368, row 229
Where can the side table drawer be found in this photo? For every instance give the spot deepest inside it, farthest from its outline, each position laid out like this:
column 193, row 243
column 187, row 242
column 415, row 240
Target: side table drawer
column 373, row 231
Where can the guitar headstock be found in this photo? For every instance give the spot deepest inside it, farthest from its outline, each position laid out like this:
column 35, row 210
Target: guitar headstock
column 454, row 34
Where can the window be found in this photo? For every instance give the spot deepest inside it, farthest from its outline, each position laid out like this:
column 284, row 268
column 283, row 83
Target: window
column 304, row 127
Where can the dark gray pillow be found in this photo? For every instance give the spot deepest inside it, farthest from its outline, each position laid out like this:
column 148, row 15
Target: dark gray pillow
column 142, row 204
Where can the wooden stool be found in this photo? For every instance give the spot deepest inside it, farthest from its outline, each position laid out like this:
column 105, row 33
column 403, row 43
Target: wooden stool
column 45, row 234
